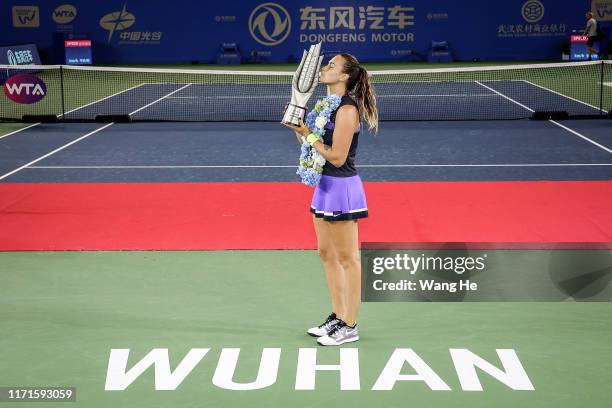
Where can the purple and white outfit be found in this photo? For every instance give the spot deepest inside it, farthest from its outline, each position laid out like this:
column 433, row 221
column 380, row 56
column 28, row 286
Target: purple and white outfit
column 340, row 195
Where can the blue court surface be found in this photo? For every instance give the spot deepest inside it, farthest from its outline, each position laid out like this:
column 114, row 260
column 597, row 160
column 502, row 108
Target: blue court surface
column 261, row 151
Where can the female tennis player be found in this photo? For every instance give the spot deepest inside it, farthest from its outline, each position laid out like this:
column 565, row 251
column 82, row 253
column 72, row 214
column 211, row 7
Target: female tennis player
column 339, row 199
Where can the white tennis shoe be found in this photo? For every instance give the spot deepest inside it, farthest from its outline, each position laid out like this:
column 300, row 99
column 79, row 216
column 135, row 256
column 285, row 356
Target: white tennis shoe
column 325, row 327
column 341, row 333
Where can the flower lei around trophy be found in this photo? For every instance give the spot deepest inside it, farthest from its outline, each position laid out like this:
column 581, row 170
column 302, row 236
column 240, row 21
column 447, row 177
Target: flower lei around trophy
column 311, row 161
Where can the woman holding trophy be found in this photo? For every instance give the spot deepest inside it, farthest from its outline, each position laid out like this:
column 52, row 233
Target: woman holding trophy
column 329, row 141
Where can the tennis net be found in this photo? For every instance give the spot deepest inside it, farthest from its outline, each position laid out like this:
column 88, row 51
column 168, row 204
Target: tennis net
column 73, row 93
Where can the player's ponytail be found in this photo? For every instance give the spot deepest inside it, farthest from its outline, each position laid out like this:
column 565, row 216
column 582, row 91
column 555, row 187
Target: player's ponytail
column 360, row 87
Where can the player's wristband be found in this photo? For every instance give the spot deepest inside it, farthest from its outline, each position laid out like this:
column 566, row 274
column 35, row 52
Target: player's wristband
column 312, row 138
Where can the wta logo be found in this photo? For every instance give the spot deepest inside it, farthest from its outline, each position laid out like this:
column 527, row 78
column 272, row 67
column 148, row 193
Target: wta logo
column 269, row 24
column 64, row 14
column 24, row 88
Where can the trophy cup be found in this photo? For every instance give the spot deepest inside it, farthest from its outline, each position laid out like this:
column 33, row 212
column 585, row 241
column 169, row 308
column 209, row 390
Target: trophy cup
column 305, row 81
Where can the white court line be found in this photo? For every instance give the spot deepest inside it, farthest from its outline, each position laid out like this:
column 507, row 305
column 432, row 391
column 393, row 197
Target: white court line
column 360, row 166
column 427, row 95
column 84, row 136
column 230, row 97
column 582, row 136
column 90, row 133
column 551, row 121
column 565, row 96
column 19, row 130
column 506, row 97
column 75, row 109
column 379, row 96
column 106, row 97
column 163, row 97
column 56, row 150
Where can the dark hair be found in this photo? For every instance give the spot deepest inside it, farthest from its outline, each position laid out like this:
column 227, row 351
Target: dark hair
column 360, row 87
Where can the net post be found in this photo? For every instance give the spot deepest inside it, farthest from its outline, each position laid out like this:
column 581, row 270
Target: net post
column 601, row 88
column 62, row 92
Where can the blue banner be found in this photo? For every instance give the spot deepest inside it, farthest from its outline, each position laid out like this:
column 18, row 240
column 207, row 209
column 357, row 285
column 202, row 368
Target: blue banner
column 182, row 31
column 78, row 52
column 25, row 54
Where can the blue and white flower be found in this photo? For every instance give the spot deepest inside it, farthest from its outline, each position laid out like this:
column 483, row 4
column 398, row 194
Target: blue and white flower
column 320, row 121
column 311, row 161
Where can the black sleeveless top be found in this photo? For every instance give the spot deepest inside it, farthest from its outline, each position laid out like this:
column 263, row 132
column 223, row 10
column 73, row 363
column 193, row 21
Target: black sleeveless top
column 348, row 169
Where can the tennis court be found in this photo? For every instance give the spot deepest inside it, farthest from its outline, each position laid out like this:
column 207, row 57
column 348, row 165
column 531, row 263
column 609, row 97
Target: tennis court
column 164, row 233
column 453, row 110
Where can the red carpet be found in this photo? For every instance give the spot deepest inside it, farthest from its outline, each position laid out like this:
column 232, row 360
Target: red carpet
column 169, row 216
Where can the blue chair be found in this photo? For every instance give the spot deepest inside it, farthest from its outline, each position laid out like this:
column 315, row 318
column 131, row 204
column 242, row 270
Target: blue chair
column 439, row 52
column 229, row 54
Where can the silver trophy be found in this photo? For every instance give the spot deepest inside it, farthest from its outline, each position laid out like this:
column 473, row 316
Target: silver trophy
column 305, row 81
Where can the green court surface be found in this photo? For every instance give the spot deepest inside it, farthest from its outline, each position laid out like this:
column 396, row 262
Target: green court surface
column 62, row 313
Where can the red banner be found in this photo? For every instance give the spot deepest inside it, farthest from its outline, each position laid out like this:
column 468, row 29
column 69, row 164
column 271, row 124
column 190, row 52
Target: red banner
column 77, row 43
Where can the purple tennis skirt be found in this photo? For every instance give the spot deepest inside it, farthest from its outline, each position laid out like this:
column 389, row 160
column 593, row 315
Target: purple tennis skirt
column 339, row 199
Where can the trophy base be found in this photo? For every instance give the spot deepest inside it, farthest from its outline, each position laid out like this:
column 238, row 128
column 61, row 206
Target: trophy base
column 293, row 114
